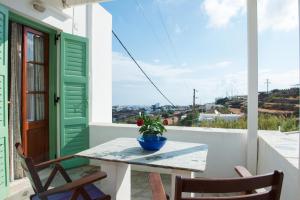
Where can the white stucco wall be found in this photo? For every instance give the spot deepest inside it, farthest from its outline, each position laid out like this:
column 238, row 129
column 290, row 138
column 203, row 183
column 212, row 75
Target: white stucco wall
column 100, row 36
column 51, row 16
column 270, row 160
column 226, row 148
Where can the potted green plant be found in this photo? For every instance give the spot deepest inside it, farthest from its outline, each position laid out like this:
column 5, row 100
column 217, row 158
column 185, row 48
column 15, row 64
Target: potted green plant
column 151, row 130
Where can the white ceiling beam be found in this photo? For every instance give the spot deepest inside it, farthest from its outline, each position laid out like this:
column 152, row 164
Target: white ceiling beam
column 61, row 4
column 79, row 2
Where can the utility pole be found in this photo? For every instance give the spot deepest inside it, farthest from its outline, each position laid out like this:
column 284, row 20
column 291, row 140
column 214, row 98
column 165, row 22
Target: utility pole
column 194, row 106
column 268, row 83
column 194, row 100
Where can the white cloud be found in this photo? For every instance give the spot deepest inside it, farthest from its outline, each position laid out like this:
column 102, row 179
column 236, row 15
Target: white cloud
column 278, row 15
column 278, row 79
column 223, row 63
column 156, row 60
column 124, row 69
column 131, row 87
column 221, row 12
column 183, row 64
column 217, row 65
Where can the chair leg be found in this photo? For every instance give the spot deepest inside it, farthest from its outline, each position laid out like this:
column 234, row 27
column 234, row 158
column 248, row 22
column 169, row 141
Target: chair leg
column 50, row 178
column 106, row 197
column 75, row 195
column 80, row 191
column 63, row 172
column 84, row 194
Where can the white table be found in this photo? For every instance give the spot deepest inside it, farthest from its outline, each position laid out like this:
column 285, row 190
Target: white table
column 117, row 156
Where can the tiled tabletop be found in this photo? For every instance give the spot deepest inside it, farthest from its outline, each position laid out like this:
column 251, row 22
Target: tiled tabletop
column 174, row 155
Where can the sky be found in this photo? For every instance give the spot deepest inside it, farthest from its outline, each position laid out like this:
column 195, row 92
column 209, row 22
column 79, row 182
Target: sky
column 199, row 44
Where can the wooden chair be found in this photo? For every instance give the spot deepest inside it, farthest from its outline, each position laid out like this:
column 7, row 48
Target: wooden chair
column 82, row 189
column 247, row 187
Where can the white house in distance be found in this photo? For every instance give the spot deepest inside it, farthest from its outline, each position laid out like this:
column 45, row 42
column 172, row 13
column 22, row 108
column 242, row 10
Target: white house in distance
column 225, row 117
column 55, row 78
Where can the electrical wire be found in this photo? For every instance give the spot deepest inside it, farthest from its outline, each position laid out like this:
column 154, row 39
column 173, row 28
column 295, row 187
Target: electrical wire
column 167, row 32
column 169, row 37
column 137, row 64
column 142, row 9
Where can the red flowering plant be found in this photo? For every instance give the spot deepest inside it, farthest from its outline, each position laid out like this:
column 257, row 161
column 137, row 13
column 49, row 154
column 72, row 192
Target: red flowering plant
column 151, row 125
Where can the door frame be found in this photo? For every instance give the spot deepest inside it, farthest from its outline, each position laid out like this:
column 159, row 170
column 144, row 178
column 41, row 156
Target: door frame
column 53, row 78
column 27, row 125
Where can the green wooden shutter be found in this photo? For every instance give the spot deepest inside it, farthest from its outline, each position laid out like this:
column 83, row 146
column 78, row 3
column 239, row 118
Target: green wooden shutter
column 3, row 103
column 74, row 97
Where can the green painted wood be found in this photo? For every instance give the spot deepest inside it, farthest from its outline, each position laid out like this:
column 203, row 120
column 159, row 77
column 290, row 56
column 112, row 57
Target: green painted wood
column 4, row 173
column 27, row 22
column 52, row 76
column 52, row 91
column 74, row 98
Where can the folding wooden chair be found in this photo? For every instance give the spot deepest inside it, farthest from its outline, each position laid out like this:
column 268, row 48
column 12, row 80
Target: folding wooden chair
column 81, row 189
column 247, row 187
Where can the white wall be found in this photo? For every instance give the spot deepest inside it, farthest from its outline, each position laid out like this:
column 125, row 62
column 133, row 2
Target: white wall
column 71, row 20
column 226, row 148
column 52, row 17
column 270, row 160
column 100, row 36
column 79, row 14
column 90, row 21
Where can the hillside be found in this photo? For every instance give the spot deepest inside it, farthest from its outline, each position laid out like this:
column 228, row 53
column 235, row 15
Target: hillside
column 284, row 102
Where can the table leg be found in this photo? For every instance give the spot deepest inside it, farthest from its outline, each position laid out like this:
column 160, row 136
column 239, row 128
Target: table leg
column 118, row 181
column 185, row 174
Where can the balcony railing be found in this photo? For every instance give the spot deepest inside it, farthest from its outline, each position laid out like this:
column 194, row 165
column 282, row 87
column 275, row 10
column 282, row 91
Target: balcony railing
column 226, row 149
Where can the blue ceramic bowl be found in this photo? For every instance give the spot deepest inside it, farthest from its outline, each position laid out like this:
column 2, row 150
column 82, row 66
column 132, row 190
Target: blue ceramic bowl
column 152, row 142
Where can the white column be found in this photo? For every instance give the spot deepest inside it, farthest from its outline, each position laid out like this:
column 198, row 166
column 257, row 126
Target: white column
column 299, row 87
column 252, row 85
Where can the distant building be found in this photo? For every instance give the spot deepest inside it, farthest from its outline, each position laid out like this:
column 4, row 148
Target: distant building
column 182, row 108
column 155, row 107
column 211, row 106
column 226, row 117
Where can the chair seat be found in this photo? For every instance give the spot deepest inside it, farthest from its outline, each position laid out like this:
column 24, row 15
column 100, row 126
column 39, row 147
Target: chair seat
column 91, row 189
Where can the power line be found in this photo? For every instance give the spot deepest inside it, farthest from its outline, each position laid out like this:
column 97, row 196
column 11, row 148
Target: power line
column 142, row 9
column 169, row 37
column 167, row 32
column 137, row 64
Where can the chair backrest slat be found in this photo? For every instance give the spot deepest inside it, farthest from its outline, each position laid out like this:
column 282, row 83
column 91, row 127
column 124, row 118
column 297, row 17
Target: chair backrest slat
column 233, row 185
column 262, row 196
column 227, row 185
column 29, row 169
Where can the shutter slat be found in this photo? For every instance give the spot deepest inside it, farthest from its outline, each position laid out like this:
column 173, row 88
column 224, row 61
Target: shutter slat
column 4, row 168
column 74, row 97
